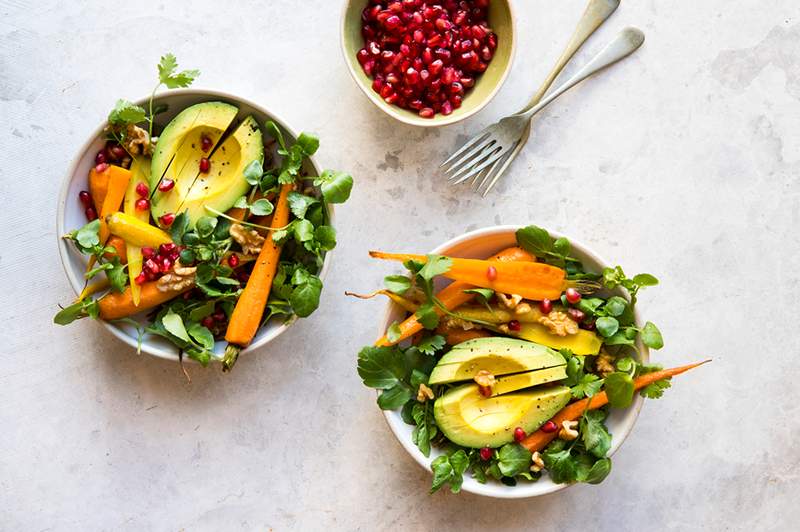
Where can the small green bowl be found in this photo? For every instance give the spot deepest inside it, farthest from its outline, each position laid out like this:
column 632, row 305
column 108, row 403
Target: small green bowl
column 501, row 20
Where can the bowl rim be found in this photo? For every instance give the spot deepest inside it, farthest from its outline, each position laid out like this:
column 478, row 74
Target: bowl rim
column 491, row 489
column 437, row 120
column 63, row 249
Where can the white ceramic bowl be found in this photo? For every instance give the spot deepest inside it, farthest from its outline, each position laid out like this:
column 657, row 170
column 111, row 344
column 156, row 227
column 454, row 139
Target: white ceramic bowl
column 70, row 213
column 481, row 244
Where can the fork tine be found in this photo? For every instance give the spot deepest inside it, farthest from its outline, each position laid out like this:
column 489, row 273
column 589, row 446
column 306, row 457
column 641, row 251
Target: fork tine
column 476, row 186
column 500, row 171
column 480, row 136
column 476, row 170
column 464, row 172
column 468, row 158
column 476, row 156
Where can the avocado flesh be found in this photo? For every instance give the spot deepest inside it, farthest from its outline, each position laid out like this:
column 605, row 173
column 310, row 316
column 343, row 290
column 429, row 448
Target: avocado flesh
column 581, row 343
column 519, row 381
column 498, row 356
column 178, row 150
column 225, row 182
column 469, row 419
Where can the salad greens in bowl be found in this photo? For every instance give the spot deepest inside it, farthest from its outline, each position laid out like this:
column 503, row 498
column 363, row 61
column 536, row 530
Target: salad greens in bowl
column 196, row 224
column 513, row 362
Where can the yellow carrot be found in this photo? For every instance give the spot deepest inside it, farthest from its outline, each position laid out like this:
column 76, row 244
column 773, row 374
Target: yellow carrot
column 249, row 309
column 140, row 173
column 136, row 231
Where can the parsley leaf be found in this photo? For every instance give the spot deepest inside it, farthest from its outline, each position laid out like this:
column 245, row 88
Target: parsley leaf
column 435, row 265
column 398, row 284
column 167, row 75
column 126, row 112
column 431, row 344
column 449, row 469
column 513, row 459
column 588, row 385
column 594, row 434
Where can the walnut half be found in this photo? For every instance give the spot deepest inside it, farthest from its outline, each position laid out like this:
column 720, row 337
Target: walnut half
column 180, row 278
column 559, row 323
column 249, row 239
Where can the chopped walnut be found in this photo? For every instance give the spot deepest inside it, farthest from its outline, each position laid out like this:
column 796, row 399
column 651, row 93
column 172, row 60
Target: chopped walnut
column 249, row 239
column 485, row 379
column 509, row 301
column 604, row 363
column 522, row 308
column 137, row 141
column 180, row 278
column 537, row 462
column 424, row 393
column 559, row 323
column 452, row 322
column 568, row 431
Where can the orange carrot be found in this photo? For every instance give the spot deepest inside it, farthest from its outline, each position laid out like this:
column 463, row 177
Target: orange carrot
column 453, row 295
column 539, row 439
column 249, row 308
column 530, row 280
column 115, row 305
column 118, row 179
column 455, row 336
column 98, row 187
column 118, row 244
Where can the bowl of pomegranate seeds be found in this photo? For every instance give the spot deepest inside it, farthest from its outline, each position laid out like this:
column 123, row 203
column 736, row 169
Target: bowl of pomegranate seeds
column 429, row 63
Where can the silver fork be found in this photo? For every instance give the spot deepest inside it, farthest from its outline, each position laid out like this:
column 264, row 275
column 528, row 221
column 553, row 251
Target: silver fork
column 487, row 149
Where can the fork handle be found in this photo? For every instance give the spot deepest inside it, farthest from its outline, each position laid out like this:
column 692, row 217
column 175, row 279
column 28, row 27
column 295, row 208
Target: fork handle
column 596, row 12
column 627, row 42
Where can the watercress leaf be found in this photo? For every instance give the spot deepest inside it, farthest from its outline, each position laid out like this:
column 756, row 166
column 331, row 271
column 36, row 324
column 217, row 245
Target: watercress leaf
column 393, row 333
column 299, row 203
column 335, row 186
column 651, row 336
column 561, row 246
column 618, row 338
column 173, row 323
column 81, row 309
column 561, row 465
column 460, row 462
column 394, row 397
column 619, row 388
column 607, row 326
column 588, row 385
column 431, row 344
column 645, row 279
column 405, row 412
column 275, row 132
column 427, row 316
column 599, row 471
column 381, row 367
column 535, row 240
column 179, row 227
column 309, row 143
column 206, row 309
column 303, row 230
column 612, row 277
column 205, row 226
column 201, row 335
column 442, row 472
column 325, row 235
column 513, row 459
column 625, row 364
column 594, row 434
column 88, row 236
column 399, row 284
column 316, row 215
column 253, row 172
column 435, row 265
column 574, row 369
column 126, row 112
column 305, row 297
column 615, row 306
column 117, row 276
column 226, row 281
column 261, row 207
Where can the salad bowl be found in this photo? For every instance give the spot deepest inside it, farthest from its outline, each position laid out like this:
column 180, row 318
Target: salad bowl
column 70, row 215
column 481, row 244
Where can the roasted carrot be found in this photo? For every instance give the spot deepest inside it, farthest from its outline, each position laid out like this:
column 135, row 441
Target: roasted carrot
column 118, row 179
column 457, row 335
column 539, row 439
column 453, row 295
column 98, row 187
column 404, row 303
column 118, row 244
column 249, row 309
column 528, row 279
column 115, row 305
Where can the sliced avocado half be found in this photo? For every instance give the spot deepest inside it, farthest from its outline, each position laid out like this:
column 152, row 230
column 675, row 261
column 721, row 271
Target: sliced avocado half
column 469, row 419
column 519, row 381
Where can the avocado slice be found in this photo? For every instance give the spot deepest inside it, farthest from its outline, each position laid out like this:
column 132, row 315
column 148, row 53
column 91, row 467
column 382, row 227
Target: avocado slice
column 581, row 343
column 498, row 356
column 469, row 419
column 519, row 381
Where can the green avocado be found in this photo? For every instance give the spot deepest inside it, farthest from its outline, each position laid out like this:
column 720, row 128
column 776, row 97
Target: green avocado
column 519, row 381
column 467, row 418
column 498, row 356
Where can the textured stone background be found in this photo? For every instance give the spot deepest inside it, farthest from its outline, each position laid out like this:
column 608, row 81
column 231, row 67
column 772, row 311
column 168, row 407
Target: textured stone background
column 682, row 161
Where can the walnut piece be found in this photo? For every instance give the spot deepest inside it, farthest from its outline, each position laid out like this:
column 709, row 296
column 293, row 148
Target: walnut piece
column 559, row 323
column 249, row 239
column 522, row 308
column 485, row 379
column 509, row 301
column 452, row 322
column 537, row 462
column 137, row 141
column 604, row 363
column 180, row 278
column 568, row 431
column 424, row 393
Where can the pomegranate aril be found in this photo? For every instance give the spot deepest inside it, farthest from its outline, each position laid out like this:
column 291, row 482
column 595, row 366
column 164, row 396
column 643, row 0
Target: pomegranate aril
column 85, row 199
column 205, row 165
column 436, row 66
column 91, row 214
column 576, row 314
column 545, row 306
column 150, row 265
column 412, row 76
column 519, row 434
column 142, row 204
column 426, row 112
column 116, row 152
column 167, row 219
column 572, row 295
column 486, row 454
column 362, row 56
column 419, row 36
column 148, row 252
column 207, row 322
column 219, row 316
column 166, row 264
column 447, row 108
column 142, row 190
column 491, row 273
column 393, row 22
column 233, row 260
column 485, row 391
column 456, row 101
column 100, row 168
column 514, row 325
column 549, row 427
column 100, row 157
column 166, row 185
column 167, row 248
column 141, row 278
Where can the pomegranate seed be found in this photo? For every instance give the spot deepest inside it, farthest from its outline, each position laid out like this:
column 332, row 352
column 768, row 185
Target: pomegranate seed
column 117, row 152
column 85, row 199
column 147, row 252
column 166, row 249
column 392, row 22
column 486, row 454
column 514, row 325
column 141, row 278
column 456, row 101
column 545, row 306
column 220, row 316
column 205, row 165
column 100, row 168
column 573, row 296
column 549, row 427
column 436, row 67
column 519, row 434
column 142, row 190
column 233, row 261
column 167, row 219
column 419, row 36
column 166, row 185
column 143, row 204
column 91, row 214
column 206, row 143
column 589, row 325
column 362, row 56
column 166, row 265
column 243, row 276
column 412, row 76
column 100, row 157
column 426, row 112
column 576, row 314
column 485, row 391
column 150, row 266
column 491, row 273
column 208, row 322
